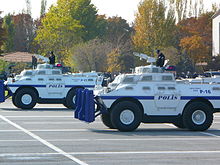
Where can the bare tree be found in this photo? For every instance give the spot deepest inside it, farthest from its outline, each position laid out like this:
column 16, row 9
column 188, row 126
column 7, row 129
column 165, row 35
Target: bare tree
column 92, row 55
column 28, row 5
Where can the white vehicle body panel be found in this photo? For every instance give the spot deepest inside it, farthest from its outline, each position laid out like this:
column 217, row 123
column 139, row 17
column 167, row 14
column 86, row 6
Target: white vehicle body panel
column 163, row 95
column 51, row 83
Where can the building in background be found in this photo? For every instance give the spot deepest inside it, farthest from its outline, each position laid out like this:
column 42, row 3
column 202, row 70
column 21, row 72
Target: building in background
column 17, row 57
column 216, row 34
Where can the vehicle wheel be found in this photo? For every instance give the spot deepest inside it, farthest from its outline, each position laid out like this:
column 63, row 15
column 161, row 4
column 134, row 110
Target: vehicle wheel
column 70, row 100
column 64, row 103
column 107, row 121
column 198, row 116
column 25, row 98
column 13, row 101
column 179, row 124
column 126, row 116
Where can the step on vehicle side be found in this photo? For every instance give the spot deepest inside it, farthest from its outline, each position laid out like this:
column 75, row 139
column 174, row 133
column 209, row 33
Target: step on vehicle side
column 153, row 96
column 46, row 84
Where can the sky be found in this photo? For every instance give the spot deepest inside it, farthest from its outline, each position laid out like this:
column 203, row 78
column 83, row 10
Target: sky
column 124, row 8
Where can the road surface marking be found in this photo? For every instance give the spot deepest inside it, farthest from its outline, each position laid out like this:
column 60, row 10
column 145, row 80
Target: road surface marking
column 55, row 122
column 209, row 134
column 48, row 130
column 112, row 153
column 171, row 125
column 39, row 116
column 51, row 140
column 204, row 133
column 53, row 147
column 135, row 139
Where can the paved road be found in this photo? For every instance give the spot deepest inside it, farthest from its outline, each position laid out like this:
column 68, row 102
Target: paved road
column 48, row 135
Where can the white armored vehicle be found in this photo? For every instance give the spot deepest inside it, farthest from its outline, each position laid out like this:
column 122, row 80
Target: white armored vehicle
column 46, row 84
column 152, row 96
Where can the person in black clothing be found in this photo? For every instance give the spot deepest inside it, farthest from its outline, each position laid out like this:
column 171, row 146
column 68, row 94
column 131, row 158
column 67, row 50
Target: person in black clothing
column 52, row 58
column 34, row 62
column 160, row 59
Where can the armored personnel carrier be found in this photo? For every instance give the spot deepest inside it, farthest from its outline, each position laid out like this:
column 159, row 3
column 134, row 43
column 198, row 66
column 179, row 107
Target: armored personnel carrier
column 151, row 95
column 46, row 84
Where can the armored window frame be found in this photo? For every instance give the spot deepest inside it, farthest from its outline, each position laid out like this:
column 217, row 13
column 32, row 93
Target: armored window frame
column 41, row 72
column 147, row 78
column 167, row 78
column 56, row 72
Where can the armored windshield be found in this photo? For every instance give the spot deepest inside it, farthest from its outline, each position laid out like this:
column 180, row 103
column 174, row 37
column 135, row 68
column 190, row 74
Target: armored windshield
column 26, row 73
column 129, row 79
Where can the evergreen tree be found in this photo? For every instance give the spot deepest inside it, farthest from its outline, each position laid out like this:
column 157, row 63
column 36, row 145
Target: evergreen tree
column 2, row 34
column 8, row 25
column 43, row 7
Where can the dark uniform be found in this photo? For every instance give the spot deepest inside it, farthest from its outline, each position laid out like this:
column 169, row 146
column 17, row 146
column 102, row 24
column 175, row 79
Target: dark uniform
column 160, row 59
column 34, row 62
column 52, row 58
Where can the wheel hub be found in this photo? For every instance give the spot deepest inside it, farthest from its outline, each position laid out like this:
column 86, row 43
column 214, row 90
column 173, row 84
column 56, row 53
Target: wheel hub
column 26, row 99
column 198, row 117
column 74, row 99
column 127, row 117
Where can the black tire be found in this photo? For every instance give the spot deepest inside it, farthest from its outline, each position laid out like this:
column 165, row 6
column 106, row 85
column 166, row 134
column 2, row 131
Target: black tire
column 70, row 100
column 179, row 124
column 64, row 103
column 198, row 116
column 107, row 121
column 127, row 111
column 30, row 101
column 13, row 101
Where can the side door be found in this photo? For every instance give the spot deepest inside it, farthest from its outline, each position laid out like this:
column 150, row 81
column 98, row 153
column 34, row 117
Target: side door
column 55, row 85
column 166, row 98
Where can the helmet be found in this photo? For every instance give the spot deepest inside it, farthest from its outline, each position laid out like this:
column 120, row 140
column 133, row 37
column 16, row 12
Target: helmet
column 158, row 51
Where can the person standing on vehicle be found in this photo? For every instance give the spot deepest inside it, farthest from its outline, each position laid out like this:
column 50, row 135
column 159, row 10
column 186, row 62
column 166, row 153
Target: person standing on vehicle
column 34, row 62
column 52, row 58
column 160, row 58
